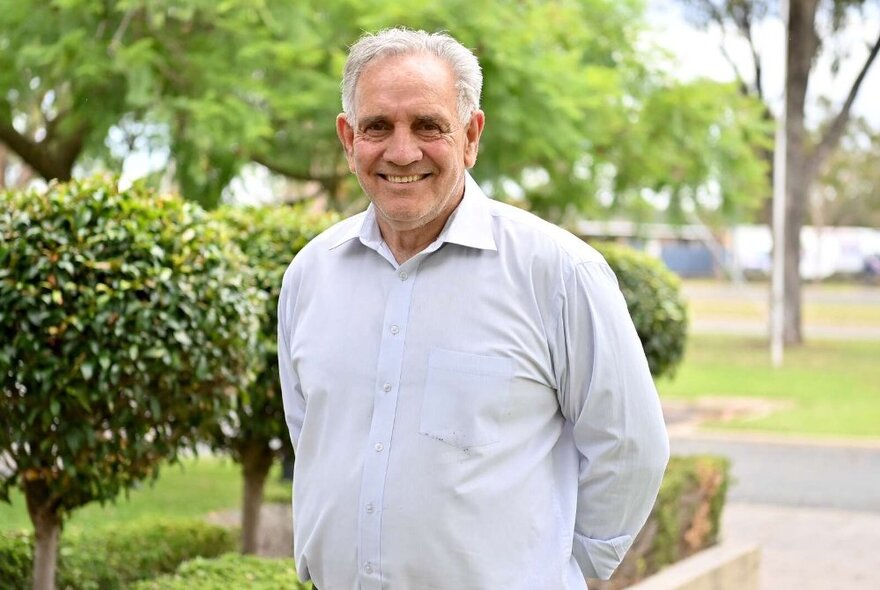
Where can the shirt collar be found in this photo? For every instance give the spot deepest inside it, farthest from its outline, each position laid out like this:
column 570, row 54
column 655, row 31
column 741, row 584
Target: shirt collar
column 469, row 225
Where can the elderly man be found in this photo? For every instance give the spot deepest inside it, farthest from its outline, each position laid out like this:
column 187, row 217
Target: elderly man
column 469, row 402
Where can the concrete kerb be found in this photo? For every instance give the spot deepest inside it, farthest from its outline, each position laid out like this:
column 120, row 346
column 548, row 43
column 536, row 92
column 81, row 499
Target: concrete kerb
column 727, row 566
column 695, row 431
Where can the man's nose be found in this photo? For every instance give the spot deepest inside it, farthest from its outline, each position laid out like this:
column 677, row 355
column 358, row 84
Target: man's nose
column 403, row 148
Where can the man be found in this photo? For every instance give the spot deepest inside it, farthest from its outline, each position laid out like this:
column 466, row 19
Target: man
column 469, row 402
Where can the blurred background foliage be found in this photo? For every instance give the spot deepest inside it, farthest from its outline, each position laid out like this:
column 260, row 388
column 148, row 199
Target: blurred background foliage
column 580, row 118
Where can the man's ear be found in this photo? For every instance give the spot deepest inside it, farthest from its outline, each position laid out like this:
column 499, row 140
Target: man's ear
column 473, row 132
column 346, row 137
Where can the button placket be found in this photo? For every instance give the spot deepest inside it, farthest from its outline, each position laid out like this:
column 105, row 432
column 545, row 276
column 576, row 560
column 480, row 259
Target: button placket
column 389, row 368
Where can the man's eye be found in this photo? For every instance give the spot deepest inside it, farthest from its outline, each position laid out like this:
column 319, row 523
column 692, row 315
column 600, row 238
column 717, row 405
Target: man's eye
column 374, row 128
column 429, row 128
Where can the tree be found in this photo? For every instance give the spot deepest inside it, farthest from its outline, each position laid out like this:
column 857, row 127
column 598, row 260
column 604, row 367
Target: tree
column 848, row 192
column 706, row 141
column 127, row 319
column 222, row 84
column 87, row 81
column 269, row 237
column 804, row 158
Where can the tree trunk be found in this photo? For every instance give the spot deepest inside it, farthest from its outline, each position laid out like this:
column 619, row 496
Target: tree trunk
column 256, row 460
column 47, row 529
column 802, row 47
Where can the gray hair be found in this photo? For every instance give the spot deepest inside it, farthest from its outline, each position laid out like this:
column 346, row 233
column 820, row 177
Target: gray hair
column 402, row 41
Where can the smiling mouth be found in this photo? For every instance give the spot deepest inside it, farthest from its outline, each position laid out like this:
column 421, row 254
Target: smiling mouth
column 403, row 179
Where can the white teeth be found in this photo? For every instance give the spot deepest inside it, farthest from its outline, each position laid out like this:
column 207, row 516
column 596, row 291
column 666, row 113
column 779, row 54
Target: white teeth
column 403, row 179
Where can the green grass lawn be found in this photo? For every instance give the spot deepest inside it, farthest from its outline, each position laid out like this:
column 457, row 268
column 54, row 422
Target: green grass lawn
column 193, row 489
column 833, row 386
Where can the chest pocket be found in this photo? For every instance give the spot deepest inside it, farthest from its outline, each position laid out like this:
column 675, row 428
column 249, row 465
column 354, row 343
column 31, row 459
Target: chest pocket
column 466, row 395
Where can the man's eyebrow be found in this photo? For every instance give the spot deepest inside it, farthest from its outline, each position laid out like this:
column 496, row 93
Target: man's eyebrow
column 365, row 122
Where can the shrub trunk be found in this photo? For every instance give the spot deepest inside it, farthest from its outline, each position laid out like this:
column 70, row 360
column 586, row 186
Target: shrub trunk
column 47, row 531
column 256, row 460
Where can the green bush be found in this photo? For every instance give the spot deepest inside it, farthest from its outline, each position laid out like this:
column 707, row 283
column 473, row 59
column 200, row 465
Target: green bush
column 111, row 558
column 686, row 518
column 653, row 296
column 127, row 320
column 269, row 238
column 229, row 571
column 15, row 559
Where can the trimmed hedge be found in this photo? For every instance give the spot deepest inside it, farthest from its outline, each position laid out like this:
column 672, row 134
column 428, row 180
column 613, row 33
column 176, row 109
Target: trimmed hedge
column 686, row 518
column 230, row 571
column 111, row 558
column 653, row 296
column 269, row 237
column 127, row 317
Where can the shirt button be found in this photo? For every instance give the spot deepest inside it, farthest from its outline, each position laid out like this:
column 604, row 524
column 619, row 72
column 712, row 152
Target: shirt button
column 379, row 447
column 368, row 567
column 394, row 329
column 386, row 388
column 370, row 508
column 403, row 275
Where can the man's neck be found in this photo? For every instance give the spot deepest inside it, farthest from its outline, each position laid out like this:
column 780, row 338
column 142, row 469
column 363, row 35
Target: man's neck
column 404, row 244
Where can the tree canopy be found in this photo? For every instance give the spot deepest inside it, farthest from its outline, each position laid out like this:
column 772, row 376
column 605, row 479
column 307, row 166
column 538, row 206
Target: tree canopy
column 575, row 105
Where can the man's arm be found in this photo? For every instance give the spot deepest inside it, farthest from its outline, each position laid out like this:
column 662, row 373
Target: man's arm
column 607, row 393
column 291, row 392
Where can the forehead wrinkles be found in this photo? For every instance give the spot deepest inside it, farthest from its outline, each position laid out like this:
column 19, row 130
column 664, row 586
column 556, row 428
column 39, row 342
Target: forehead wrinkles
column 415, row 83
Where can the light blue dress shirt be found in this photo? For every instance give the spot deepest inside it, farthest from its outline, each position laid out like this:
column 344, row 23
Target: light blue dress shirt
column 480, row 417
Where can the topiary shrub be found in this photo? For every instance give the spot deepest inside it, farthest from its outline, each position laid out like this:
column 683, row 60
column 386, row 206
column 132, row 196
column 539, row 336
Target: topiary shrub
column 653, row 296
column 229, row 571
column 111, row 558
column 127, row 320
column 269, row 237
column 685, row 519
column 16, row 564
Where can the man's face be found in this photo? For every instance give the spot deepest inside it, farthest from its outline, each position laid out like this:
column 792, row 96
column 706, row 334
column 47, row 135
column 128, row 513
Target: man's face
column 407, row 146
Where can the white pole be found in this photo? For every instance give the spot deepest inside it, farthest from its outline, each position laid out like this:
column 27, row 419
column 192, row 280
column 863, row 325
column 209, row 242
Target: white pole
column 777, row 309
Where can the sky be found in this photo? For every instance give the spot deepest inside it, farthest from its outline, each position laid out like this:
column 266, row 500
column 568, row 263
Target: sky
column 697, row 54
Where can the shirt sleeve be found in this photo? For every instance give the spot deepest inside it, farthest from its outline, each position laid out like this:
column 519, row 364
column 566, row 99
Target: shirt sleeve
column 607, row 393
column 291, row 392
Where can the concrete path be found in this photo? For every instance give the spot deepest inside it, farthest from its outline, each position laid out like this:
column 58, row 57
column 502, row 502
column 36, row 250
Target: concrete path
column 809, row 549
column 813, row 506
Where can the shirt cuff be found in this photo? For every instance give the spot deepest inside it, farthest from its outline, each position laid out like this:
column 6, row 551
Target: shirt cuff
column 597, row 558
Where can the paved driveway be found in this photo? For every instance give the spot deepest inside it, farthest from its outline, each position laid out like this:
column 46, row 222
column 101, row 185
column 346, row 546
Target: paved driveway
column 834, row 476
